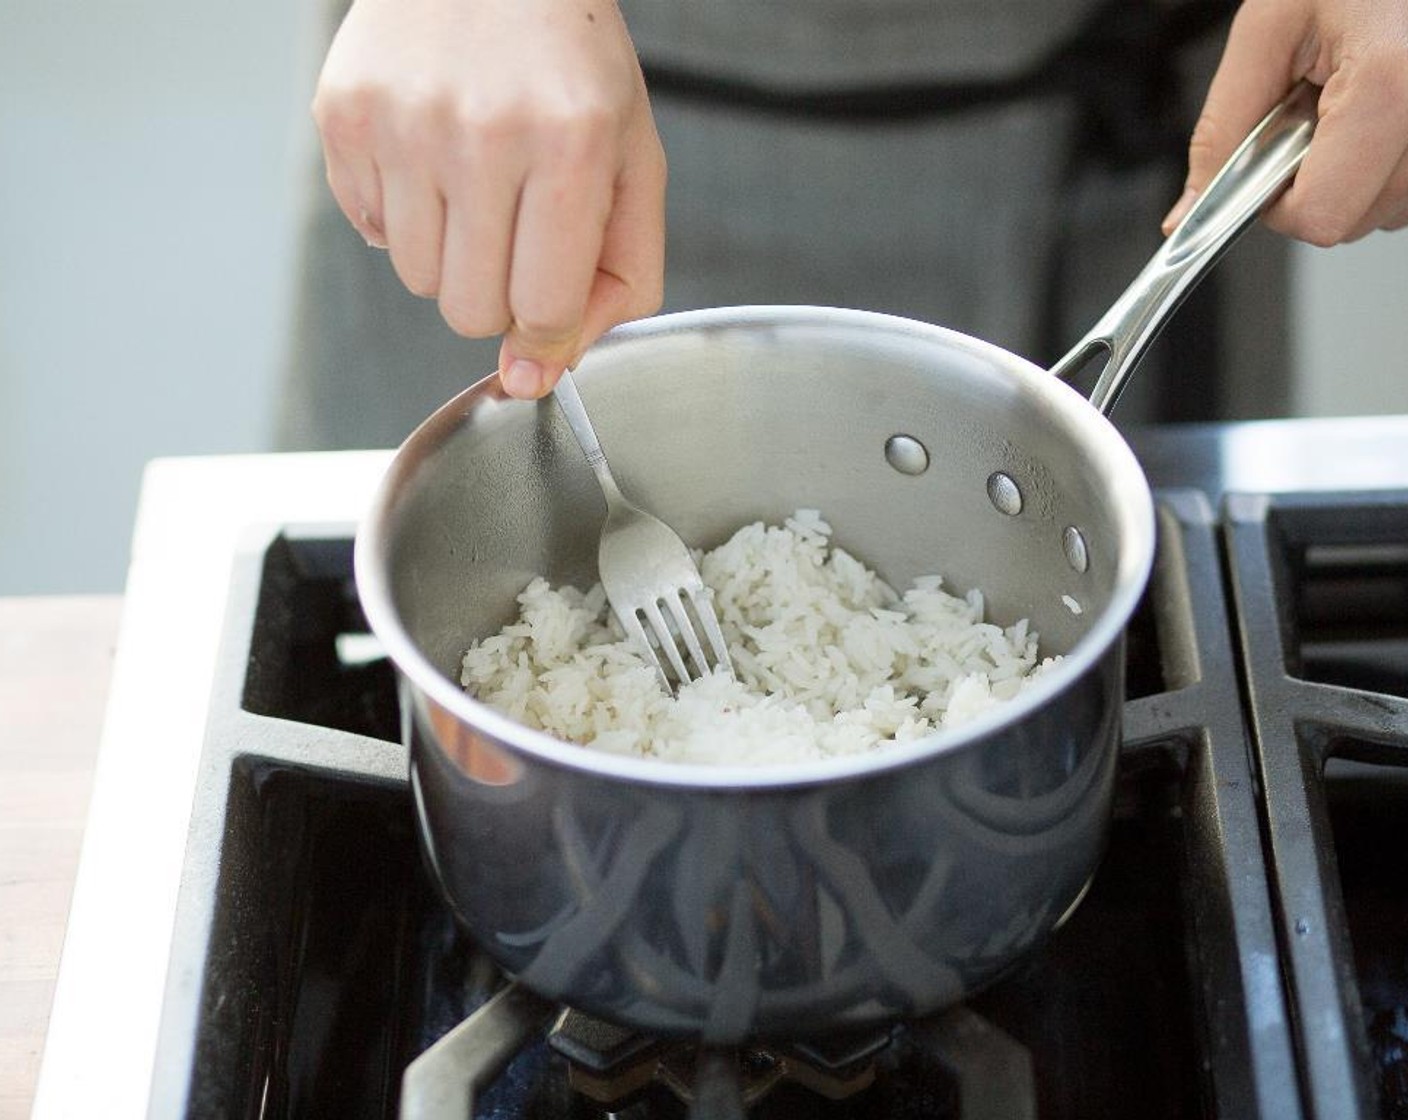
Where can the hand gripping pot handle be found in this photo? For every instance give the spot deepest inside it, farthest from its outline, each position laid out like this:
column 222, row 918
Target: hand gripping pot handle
column 1257, row 172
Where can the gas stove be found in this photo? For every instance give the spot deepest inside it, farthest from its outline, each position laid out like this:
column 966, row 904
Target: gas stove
column 253, row 933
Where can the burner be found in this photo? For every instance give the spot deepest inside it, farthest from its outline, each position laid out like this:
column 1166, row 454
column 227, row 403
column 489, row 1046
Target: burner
column 987, row 1075
column 612, row 1065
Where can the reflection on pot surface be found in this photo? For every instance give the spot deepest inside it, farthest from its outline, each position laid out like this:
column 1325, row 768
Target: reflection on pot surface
column 733, row 912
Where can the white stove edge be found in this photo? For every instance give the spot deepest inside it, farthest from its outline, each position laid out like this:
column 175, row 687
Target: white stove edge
column 100, row 1048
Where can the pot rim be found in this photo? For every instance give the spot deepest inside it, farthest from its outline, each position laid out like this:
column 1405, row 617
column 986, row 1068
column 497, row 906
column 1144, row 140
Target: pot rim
column 1122, row 475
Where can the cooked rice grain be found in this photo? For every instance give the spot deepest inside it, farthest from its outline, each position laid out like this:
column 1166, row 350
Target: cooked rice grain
column 830, row 660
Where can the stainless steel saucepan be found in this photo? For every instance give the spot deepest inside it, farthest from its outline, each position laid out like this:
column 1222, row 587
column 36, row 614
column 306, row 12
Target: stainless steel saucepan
column 731, row 902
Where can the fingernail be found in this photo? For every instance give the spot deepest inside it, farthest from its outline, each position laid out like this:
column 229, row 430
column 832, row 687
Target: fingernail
column 1180, row 208
column 524, row 379
column 370, row 230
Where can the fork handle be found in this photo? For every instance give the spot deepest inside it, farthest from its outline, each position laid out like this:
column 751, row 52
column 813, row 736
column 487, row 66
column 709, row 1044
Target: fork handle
column 570, row 401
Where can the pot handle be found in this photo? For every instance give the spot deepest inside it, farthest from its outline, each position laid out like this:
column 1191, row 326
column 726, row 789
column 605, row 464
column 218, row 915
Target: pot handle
column 1258, row 171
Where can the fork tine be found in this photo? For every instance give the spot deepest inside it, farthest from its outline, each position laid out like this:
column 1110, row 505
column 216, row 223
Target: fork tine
column 636, row 632
column 644, row 565
column 704, row 611
column 686, row 627
column 657, row 622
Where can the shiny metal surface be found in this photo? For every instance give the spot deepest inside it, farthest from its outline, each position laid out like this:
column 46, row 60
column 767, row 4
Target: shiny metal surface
column 1257, row 171
column 994, row 1072
column 1005, row 495
column 441, row 1083
column 733, row 901
column 906, row 454
column 728, row 902
column 644, row 567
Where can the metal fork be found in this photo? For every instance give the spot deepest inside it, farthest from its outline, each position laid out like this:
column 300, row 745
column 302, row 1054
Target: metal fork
column 646, row 568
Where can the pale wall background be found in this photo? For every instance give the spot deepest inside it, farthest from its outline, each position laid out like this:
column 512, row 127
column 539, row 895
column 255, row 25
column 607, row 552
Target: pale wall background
column 1350, row 317
column 152, row 155
column 150, row 152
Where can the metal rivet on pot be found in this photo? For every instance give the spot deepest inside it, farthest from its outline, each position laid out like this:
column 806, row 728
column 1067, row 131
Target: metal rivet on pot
column 1004, row 494
column 1073, row 542
column 906, row 454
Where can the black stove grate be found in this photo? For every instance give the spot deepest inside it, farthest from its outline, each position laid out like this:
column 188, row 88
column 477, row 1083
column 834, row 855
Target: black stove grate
column 312, row 961
column 1320, row 584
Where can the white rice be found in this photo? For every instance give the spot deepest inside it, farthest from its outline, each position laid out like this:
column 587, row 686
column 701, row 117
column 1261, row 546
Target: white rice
column 830, row 660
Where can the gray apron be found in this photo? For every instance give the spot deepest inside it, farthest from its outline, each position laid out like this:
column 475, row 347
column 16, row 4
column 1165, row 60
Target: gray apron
column 987, row 212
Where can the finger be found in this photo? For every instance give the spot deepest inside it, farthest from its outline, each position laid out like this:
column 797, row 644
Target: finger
column 557, row 244
column 1390, row 209
column 1358, row 144
column 1261, row 60
column 414, row 213
column 474, row 266
column 1396, row 218
column 351, row 171
column 356, row 185
column 629, row 281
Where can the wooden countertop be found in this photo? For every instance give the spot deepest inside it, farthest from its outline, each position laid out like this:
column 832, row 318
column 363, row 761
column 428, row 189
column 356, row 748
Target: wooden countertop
column 55, row 660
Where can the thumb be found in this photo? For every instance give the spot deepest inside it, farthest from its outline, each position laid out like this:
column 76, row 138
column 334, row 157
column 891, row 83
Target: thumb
column 1260, row 62
column 530, row 363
